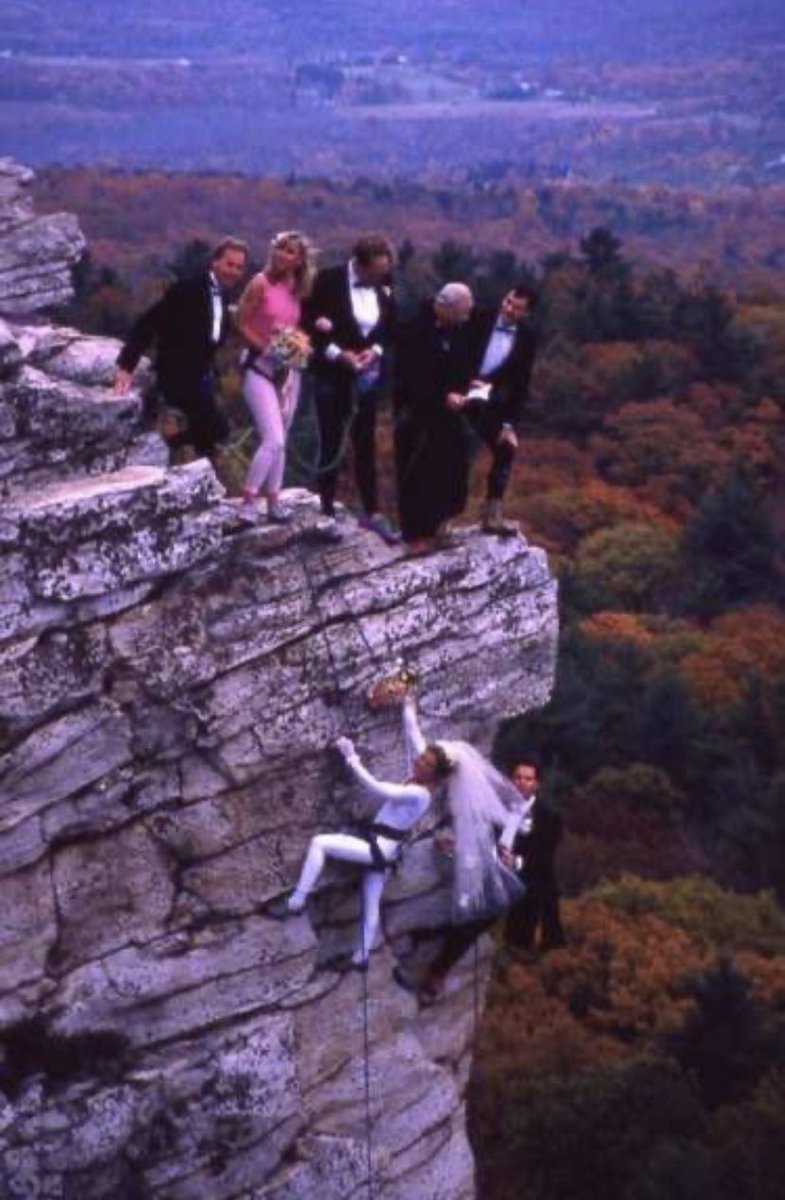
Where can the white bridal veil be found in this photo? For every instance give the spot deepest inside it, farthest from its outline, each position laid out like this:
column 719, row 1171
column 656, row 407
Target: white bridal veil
column 480, row 800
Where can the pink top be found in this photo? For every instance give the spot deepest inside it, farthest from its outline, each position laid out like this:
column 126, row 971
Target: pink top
column 280, row 309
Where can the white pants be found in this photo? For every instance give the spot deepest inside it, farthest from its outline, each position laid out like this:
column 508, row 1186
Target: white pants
column 348, row 848
column 273, row 413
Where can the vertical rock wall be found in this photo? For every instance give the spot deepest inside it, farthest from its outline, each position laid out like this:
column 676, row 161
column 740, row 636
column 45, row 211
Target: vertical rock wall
column 170, row 687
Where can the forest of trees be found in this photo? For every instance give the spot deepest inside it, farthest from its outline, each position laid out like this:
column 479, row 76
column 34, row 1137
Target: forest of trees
column 646, row 1060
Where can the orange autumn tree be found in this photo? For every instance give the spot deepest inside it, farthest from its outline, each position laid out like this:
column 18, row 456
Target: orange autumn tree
column 738, row 649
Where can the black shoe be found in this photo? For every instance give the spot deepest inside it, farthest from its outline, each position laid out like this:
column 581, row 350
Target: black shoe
column 403, row 978
column 342, row 963
column 279, row 910
column 430, row 992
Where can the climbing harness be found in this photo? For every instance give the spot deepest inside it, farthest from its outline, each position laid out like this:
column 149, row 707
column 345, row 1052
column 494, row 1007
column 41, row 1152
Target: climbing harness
column 373, row 831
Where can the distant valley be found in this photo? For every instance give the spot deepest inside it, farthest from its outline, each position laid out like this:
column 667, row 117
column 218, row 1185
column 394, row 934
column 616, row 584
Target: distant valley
column 641, row 94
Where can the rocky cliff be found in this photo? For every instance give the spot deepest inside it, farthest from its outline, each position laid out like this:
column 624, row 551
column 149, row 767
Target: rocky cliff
column 170, row 686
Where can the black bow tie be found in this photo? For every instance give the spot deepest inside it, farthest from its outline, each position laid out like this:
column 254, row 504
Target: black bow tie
column 504, row 327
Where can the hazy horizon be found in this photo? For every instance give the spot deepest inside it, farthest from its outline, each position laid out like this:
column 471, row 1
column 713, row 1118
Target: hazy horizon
column 333, row 87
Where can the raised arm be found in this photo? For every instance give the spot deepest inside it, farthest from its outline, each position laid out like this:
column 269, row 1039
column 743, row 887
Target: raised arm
column 406, row 793
column 413, row 735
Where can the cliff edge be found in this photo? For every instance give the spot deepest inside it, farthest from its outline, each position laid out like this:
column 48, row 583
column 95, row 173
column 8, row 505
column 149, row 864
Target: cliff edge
column 170, row 687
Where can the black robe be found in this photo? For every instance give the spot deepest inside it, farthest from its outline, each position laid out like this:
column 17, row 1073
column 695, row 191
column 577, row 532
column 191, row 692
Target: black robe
column 431, row 442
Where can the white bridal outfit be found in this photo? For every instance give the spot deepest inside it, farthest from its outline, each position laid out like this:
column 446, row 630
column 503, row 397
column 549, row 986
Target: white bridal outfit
column 403, row 804
column 481, row 805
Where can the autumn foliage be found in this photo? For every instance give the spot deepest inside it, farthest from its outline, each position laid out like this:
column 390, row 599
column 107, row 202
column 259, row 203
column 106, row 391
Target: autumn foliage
column 646, row 1060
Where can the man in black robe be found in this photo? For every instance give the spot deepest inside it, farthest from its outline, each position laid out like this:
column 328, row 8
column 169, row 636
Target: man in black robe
column 434, row 369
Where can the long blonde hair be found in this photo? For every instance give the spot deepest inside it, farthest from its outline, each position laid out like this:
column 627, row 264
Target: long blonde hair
column 305, row 272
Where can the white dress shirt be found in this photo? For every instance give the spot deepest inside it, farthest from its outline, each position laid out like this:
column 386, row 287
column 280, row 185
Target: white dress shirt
column 519, row 821
column 365, row 307
column 499, row 348
column 216, row 301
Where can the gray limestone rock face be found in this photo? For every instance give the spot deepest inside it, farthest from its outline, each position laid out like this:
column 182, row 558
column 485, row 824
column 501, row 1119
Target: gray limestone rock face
column 172, row 683
column 10, row 360
column 59, row 417
column 36, row 252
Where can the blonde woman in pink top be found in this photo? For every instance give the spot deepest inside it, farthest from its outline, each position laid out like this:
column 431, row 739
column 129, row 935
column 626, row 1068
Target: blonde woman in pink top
column 270, row 303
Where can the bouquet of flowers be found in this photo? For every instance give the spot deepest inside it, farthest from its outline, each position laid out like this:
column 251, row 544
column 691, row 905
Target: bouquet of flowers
column 392, row 691
column 289, row 348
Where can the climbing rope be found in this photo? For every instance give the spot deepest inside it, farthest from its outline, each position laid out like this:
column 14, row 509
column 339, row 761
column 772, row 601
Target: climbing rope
column 367, row 1076
column 233, row 448
column 476, row 990
column 313, row 468
column 340, row 697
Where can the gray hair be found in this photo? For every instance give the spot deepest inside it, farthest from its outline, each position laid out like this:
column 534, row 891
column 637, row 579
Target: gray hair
column 452, row 295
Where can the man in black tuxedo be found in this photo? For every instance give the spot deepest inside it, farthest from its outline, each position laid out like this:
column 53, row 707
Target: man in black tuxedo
column 531, row 856
column 350, row 316
column 528, row 846
column 505, row 346
column 186, row 326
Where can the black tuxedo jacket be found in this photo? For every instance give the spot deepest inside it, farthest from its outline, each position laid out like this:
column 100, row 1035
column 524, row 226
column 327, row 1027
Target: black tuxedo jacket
column 331, row 298
column 179, row 325
column 538, row 846
column 510, row 390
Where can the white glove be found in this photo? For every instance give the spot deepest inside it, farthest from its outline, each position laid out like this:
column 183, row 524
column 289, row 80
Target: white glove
column 345, row 746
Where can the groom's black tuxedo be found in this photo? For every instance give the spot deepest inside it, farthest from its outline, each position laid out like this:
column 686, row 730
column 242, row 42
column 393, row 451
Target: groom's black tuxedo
column 180, row 327
column 332, row 298
column 540, row 903
column 336, row 385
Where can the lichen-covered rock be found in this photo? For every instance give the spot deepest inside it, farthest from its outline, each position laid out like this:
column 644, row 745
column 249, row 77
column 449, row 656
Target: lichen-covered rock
column 36, row 252
column 167, row 756
column 59, row 417
column 171, row 685
column 10, row 361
